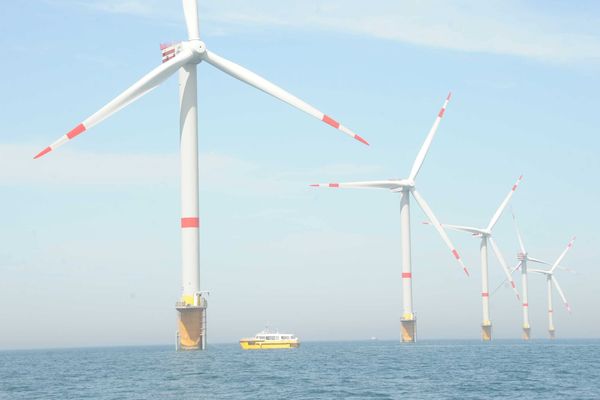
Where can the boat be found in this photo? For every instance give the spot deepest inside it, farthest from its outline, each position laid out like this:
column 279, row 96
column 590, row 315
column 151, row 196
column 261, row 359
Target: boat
column 266, row 340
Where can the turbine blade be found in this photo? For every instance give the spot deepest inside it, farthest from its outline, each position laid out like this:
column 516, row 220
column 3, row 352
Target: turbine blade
column 567, row 269
column 134, row 92
column 425, row 147
column 190, row 12
column 518, row 233
column 361, row 185
column 512, row 271
column 536, row 260
column 500, row 209
column 460, row 228
column 252, row 79
column 436, row 223
column 502, row 262
column 538, row 271
column 563, row 254
column 560, row 293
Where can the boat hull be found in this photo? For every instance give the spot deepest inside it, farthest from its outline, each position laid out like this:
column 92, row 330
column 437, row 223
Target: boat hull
column 252, row 344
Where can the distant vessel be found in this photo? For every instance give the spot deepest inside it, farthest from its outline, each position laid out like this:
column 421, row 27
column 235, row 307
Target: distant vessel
column 266, row 340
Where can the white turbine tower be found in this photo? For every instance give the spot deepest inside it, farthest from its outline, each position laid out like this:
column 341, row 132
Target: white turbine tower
column 407, row 187
column 550, row 280
column 184, row 57
column 486, row 237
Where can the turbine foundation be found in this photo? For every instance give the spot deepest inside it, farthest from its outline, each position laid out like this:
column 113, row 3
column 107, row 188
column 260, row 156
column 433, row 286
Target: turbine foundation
column 526, row 333
column 191, row 323
column 408, row 327
column 486, row 331
column 552, row 334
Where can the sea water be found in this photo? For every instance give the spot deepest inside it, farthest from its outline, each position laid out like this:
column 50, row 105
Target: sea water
column 561, row 369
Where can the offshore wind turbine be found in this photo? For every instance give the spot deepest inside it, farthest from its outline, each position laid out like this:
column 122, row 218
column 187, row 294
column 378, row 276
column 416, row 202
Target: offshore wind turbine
column 550, row 281
column 184, row 57
column 524, row 257
column 406, row 187
column 486, row 237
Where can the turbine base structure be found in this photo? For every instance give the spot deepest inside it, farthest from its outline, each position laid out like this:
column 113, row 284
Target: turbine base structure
column 486, row 332
column 408, row 328
column 526, row 333
column 191, row 324
column 552, row 333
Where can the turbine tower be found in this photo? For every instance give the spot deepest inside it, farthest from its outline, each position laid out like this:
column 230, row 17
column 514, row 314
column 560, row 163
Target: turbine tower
column 550, row 280
column 486, row 237
column 524, row 257
column 184, row 57
column 406, row 187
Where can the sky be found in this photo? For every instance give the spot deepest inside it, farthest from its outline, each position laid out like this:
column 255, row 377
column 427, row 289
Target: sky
column 89, row 239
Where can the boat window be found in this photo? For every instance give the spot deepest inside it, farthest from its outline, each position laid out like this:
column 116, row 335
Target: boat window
column 261, row 337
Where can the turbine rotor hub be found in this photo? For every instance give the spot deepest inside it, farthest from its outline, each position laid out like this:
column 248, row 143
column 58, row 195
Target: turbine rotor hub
column 407, row 183
column 197, row 46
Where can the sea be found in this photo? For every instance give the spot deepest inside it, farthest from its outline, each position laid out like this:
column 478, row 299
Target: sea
column 503, row 369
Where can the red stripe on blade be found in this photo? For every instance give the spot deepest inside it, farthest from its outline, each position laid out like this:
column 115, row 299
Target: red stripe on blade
column 525, row 305
column 449, row 96
column 455, row 253
column 76, row 131
column 441, row 114
column 406, row 275
column 190, row 222
column 512, row 283
column 331, row 121
column 41, row 153
column 361, row 140
column 336, row 185
column 485, row 294
column 314, row 185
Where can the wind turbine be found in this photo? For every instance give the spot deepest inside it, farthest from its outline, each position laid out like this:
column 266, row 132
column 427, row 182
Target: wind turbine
column 550, row 279
column 184, row 57
column 524, row 258
column 406, row 187
column 486, row 237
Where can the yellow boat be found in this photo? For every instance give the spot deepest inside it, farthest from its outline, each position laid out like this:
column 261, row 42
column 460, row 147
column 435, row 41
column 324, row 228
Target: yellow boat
column 270, row 340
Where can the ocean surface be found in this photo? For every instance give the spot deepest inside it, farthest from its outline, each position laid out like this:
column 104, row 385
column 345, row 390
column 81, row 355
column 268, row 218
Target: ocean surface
column 561, row 369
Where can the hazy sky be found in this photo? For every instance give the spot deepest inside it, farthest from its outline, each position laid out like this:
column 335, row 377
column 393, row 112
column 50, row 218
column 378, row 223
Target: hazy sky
column 89, row 235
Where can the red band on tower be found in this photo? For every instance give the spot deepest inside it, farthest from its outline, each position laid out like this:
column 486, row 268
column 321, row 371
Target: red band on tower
column 190, row 222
